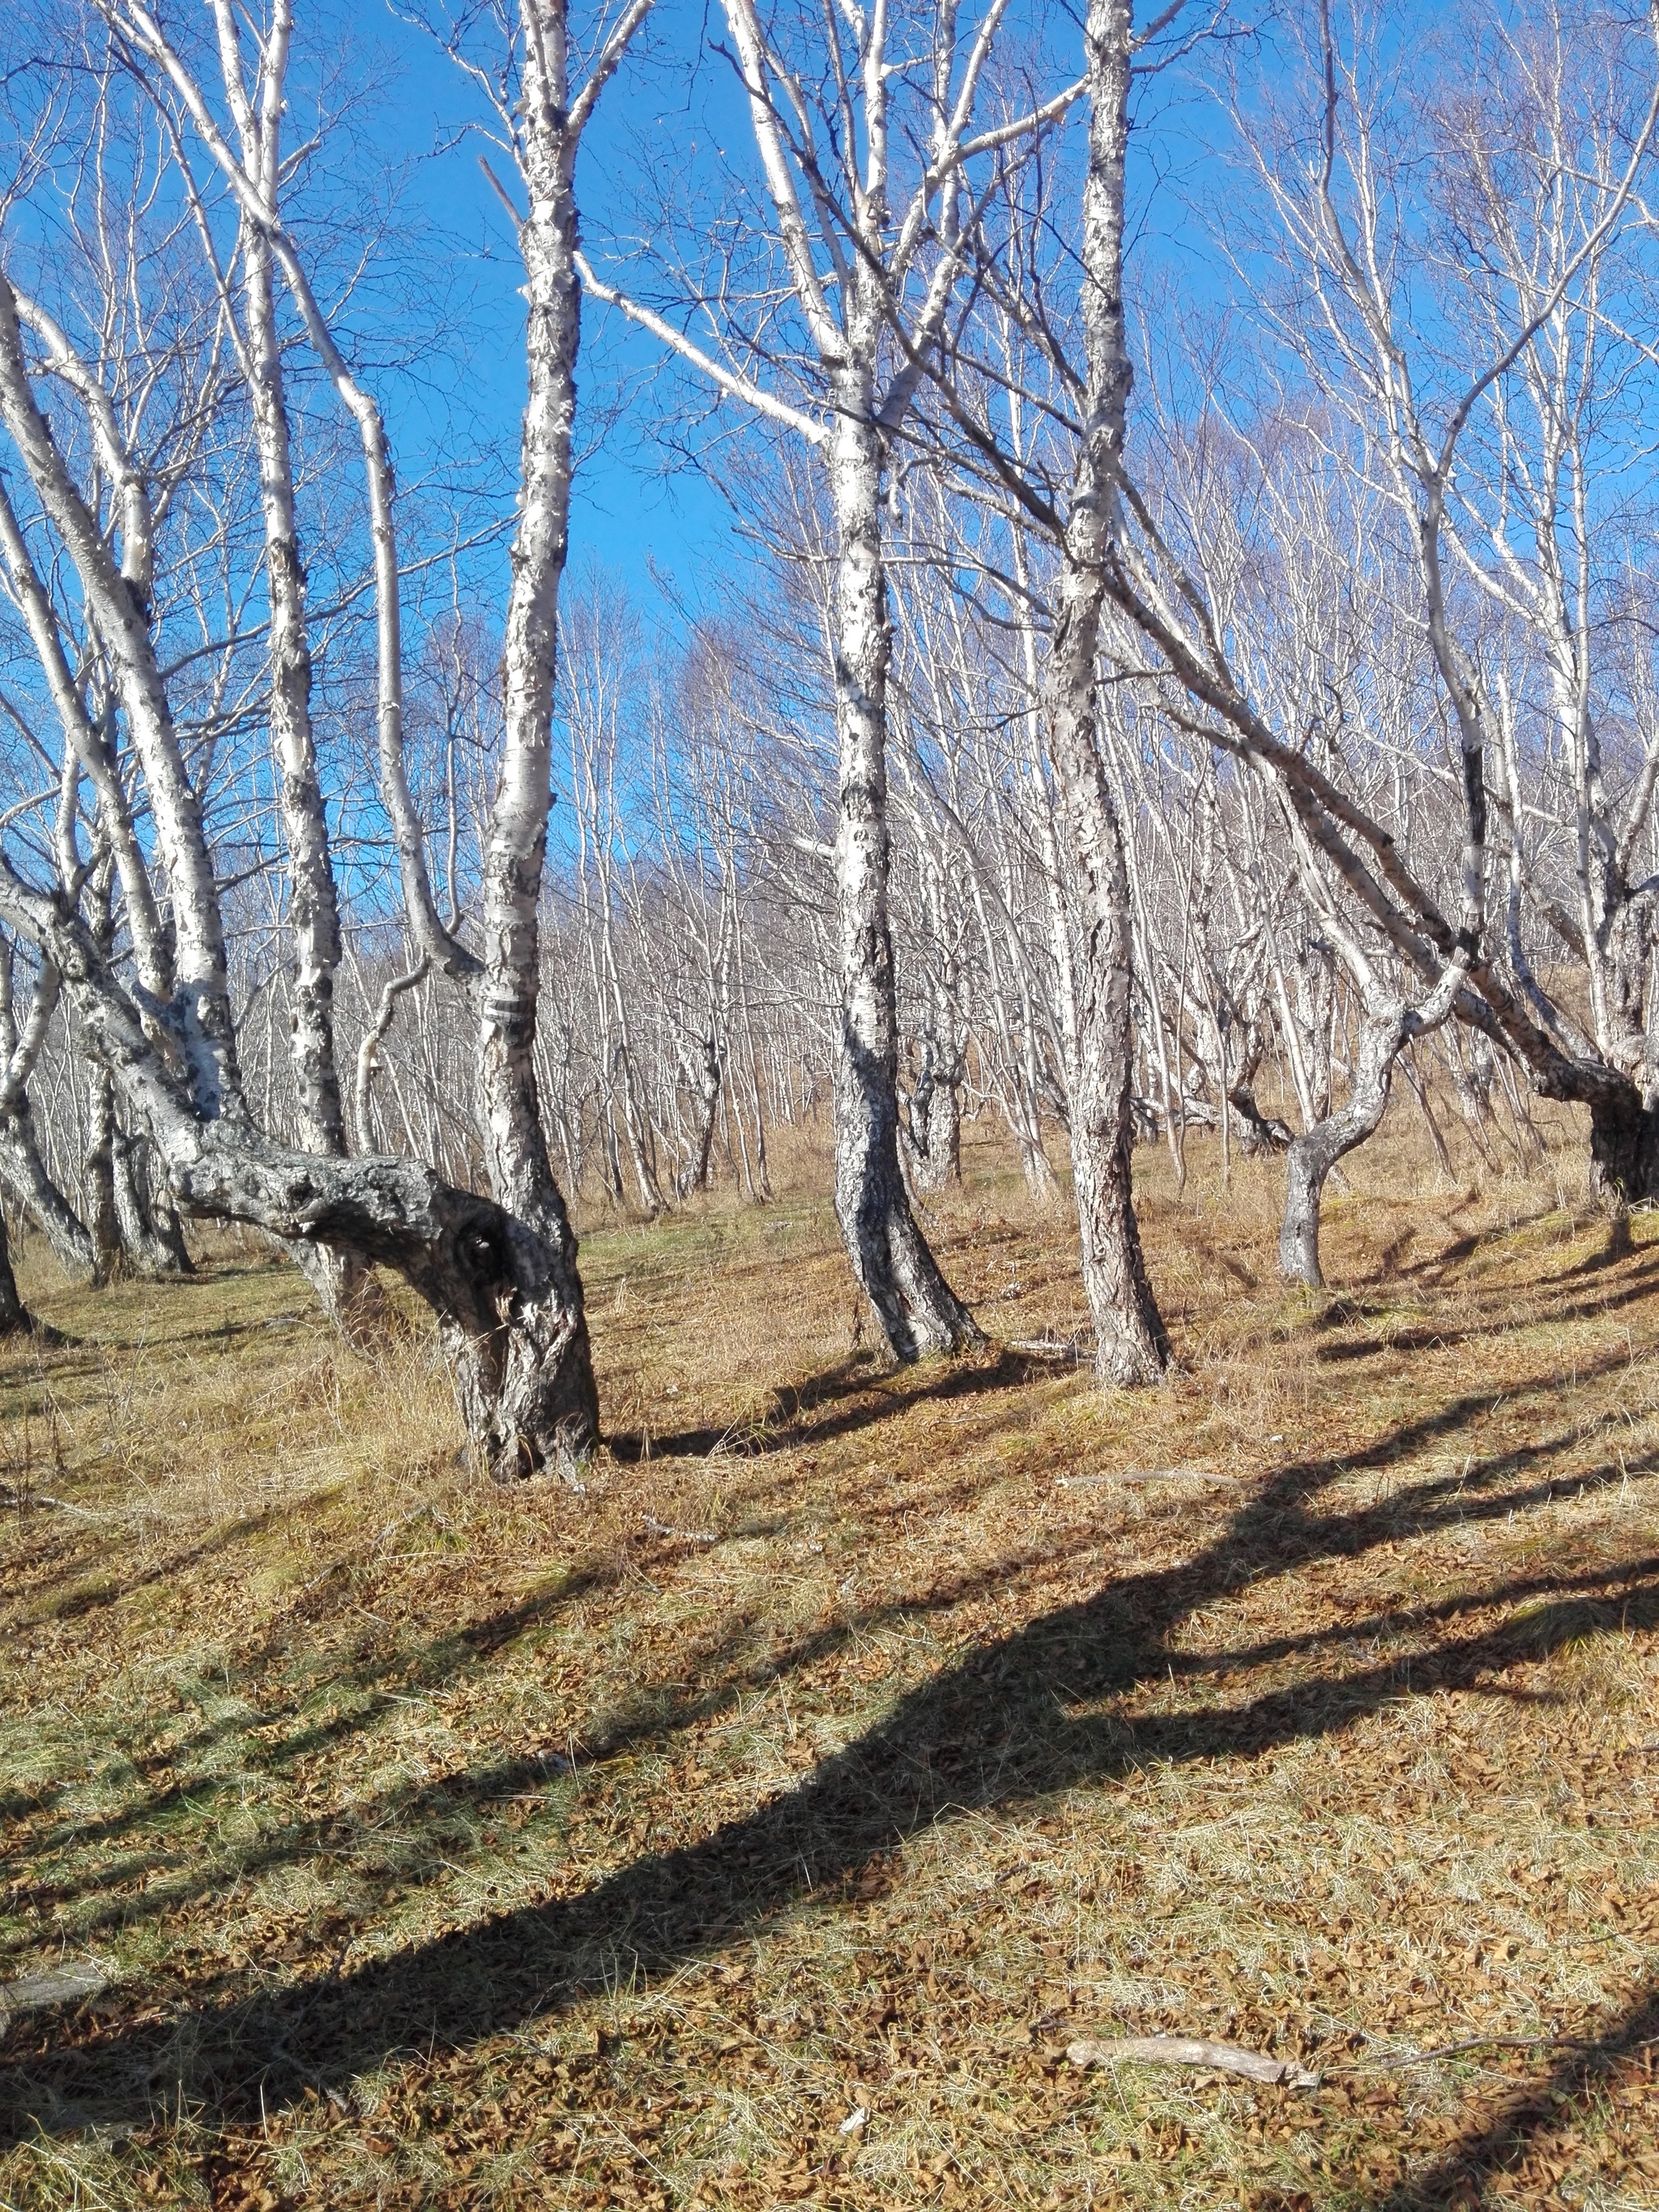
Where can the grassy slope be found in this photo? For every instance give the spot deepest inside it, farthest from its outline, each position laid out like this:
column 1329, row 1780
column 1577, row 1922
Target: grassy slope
column 857, row 1741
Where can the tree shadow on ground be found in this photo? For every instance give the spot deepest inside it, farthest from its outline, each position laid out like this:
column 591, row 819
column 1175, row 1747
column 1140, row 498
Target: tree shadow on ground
column 862, row 1393
column 1024, row 1715
column 1464, row 2176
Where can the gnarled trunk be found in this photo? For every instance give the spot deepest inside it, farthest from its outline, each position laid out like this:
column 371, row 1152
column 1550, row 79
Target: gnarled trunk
column 917, row 1309
column 1624, row 1152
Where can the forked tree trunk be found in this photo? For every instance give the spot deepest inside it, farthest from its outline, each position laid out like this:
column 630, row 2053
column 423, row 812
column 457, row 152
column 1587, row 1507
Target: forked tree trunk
column 916, row 1308
column 1132, row 1345
column 696, row 1175
column 935, row 1136
column 1313, row 1154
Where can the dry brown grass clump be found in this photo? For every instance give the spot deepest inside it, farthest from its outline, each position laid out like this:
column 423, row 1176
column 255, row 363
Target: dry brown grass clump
column 758, row 1828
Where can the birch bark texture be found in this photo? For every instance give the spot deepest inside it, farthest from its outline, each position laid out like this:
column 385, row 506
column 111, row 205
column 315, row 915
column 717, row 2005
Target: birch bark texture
column 1133, row 1345
column 917, row 1309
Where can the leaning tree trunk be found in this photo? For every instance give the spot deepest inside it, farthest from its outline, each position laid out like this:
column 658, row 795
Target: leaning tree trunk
column 1132, row 1345
column 26, row 1182
column 1316, row 1150
column 916, row 1308
column 462, row 1254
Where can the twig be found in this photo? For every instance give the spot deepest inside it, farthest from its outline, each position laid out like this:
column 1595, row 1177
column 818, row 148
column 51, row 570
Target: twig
column 680, row 1535
column 22, row 1498
column 1391, row 2065
column 1043, row 1347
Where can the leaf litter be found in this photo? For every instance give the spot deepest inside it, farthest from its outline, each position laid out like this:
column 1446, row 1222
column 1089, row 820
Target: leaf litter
column 621, row 1849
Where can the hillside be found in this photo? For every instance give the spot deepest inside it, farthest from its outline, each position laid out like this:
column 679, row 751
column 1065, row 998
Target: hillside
column 760, row 1827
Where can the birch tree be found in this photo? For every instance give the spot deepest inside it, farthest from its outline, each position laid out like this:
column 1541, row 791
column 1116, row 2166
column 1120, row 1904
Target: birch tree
column 500, row 1273
column 833, row 102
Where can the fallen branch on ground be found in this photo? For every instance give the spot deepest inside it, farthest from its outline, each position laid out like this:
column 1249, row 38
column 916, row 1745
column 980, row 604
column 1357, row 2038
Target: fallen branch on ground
column 1193, row 2050
column 681, row 1536
column 24, row 1497
column 66, row 1986
column 1142, row 1474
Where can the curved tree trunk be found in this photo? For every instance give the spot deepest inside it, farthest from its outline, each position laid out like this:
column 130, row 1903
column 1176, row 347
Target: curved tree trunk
column 1133, row 1344
column 1316, row 1150
column 24, row 1179
column 463, row 1254
column 917, row 1309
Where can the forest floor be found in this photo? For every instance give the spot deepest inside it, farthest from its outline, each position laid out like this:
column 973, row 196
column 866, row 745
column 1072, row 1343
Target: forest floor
column 759, row 1827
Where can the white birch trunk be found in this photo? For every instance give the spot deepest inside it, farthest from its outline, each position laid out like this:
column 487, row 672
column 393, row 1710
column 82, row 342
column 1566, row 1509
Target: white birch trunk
column 916, row 1308
column 1132, row 1344
column 549, row 1405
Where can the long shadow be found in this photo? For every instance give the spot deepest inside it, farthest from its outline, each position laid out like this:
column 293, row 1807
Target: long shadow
column 1020, row 1718
column 1473, row 1240
column 727, row 1664
column 782, row 1428
column 1464, row 2174
column 427, row 1668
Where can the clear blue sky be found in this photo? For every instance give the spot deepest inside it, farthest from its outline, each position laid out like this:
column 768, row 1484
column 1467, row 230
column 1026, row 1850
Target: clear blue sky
column 635, row 511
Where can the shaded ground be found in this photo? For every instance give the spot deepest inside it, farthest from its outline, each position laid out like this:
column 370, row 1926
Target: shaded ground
column 857, row 1741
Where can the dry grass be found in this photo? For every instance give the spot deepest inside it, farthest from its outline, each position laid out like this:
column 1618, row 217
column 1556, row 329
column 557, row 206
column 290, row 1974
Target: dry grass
column 859, row 1738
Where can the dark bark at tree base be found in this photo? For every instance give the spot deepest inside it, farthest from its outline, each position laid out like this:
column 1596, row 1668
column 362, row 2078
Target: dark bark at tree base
column 1132, row 1347
column 152, row 1237
column 1625, row 1148
column 918, row 1311
column 694, row 1175
column 16, row 1319
column 933, row 1143
column 523, row 1373
column 1261, row 1133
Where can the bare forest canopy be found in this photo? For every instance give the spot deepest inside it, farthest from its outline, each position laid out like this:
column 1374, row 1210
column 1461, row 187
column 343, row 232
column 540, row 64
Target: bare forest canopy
column 1185, row 661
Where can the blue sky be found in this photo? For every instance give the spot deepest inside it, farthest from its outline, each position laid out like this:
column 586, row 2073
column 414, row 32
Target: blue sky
column 635, row 511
